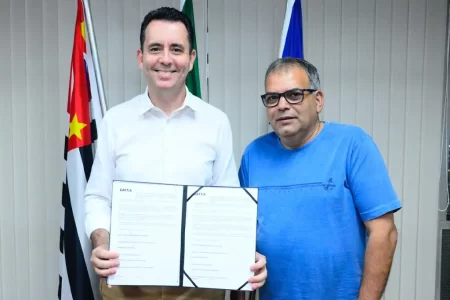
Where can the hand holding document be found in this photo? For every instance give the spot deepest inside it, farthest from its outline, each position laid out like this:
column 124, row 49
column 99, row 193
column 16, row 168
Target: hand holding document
column 191, row 236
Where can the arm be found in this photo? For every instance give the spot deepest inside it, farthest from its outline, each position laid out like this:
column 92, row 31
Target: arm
column 224, row 169
column 376, row 202
column 98, row 205
column 378, row 257
column 105, row 262
column 97, row 196
column 100, row 237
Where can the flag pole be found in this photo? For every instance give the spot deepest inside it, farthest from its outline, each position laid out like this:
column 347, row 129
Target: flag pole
column 98, row 74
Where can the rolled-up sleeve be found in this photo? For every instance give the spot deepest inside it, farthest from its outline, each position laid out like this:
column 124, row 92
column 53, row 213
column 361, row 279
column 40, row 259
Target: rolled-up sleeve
column 98, row 191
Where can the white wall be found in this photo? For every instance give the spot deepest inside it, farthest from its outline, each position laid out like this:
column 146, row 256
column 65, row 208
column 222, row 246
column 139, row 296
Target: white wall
column 244, row 37
column 381, row 64
column 34, row 51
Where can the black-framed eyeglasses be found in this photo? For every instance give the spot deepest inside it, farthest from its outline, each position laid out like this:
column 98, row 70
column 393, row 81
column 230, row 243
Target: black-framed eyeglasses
column 293, row 96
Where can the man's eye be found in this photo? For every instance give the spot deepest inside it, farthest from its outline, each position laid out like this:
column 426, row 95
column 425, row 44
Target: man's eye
column 154, row 49
column 294, row 95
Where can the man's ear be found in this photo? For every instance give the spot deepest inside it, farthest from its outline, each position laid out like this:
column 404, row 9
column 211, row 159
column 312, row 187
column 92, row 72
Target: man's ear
column 139, row 56
column 193, row 56
column 319, row 100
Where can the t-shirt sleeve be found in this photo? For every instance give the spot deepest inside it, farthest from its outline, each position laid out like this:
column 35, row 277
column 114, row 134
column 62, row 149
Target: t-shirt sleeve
column 369, row 181
column 243, row 171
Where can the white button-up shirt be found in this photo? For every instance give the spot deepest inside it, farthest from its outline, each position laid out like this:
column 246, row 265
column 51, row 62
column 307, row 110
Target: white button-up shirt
column 138, row 142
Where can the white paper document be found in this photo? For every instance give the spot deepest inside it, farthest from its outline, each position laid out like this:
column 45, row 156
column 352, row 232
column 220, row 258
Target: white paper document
column 189, row 236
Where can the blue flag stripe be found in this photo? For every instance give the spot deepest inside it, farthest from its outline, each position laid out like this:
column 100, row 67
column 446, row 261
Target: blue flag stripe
column 293, row 41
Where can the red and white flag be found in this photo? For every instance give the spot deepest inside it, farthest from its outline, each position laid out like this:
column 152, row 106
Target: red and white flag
column 77, row 279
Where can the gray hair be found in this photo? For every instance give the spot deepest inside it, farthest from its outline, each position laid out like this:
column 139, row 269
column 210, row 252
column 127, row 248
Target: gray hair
column 284, row 64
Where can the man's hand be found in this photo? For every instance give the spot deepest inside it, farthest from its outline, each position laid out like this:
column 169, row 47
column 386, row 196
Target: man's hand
column 105, row 262
column 260, row 270
column 256, row 281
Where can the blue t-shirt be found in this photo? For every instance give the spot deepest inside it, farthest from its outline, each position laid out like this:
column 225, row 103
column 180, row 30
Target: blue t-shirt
column 311, row 208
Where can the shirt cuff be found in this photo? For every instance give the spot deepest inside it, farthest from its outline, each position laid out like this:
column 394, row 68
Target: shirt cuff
column 381, row 210
column 95, row 222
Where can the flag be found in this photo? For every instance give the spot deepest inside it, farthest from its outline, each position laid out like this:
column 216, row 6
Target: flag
column 292, row 35
column 77, row 279
column 291, row 44
column 193, row 78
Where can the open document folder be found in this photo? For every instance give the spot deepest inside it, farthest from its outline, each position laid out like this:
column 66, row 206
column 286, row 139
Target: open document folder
column 187, row 236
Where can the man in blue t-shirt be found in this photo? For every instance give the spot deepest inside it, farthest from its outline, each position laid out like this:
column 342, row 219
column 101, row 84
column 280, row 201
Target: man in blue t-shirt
column 326, row 202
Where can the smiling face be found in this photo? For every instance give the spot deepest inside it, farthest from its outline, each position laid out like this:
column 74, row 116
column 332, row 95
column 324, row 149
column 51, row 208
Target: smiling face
column 291, row 121
column 165, row 58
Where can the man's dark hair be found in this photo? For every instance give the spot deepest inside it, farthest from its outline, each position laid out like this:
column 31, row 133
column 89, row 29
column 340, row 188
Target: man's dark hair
column 168, row 14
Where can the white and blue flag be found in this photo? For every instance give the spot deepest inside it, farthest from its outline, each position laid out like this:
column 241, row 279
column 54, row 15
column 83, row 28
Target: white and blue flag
column 292, row 35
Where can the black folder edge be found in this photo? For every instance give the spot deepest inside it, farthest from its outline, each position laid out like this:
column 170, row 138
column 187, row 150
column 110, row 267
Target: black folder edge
column 193, row 194
column 252, row 293
column 240, row 288
column 183, row 236
column 190, row 279
column 250, row 195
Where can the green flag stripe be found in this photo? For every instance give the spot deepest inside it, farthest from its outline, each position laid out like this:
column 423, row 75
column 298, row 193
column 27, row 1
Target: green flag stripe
column 193, row 78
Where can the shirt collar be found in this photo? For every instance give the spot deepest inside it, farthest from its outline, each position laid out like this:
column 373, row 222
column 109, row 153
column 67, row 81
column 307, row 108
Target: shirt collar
column 190, row 101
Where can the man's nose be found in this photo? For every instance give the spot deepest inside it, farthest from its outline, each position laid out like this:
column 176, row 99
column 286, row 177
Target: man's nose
column 283, row 104
column 165, row 57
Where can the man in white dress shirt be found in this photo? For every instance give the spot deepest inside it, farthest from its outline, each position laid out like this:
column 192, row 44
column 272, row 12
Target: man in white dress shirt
column 165, row 135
